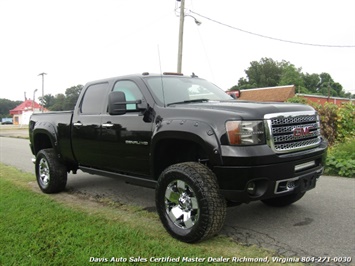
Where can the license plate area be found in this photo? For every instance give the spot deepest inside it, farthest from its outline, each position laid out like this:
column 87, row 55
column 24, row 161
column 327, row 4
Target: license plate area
column 307, row 183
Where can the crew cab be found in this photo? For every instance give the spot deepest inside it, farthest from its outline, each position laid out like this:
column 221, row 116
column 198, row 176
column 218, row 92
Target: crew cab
column 200, row 149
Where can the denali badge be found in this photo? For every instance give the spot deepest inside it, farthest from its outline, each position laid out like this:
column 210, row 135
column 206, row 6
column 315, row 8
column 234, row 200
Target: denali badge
column 137, row 142
column 302, row 131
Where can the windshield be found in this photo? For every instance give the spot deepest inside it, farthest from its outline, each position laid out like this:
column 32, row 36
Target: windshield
column 184, row 89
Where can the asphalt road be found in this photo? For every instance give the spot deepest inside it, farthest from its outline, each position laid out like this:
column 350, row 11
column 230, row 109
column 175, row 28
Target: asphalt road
column 319, row 225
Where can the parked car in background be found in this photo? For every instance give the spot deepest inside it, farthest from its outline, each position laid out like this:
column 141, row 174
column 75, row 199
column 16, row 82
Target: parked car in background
column 6, row 121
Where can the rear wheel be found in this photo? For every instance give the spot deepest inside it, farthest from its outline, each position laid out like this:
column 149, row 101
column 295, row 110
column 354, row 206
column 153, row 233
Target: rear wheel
column 51, row 174
column 189, row 202
column 284, row 200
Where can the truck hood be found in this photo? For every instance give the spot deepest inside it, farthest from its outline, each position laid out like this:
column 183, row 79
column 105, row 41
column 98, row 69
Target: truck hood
column 244, row 109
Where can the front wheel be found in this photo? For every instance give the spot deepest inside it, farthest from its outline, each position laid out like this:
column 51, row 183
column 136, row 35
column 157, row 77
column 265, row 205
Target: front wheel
column 51, row 174
column 189, row 202
column 284, row 200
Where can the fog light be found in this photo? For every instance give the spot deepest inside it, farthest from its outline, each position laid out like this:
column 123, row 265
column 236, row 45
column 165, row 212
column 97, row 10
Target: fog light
column 290, row 185
column 251, row 188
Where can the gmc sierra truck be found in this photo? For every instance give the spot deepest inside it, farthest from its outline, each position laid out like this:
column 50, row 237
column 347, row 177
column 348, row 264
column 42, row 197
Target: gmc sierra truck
column 200, row 149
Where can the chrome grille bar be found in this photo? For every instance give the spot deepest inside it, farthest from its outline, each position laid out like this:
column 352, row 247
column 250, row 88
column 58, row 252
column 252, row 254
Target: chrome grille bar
column 289, row 132
column 289, row 129
column 291, row 137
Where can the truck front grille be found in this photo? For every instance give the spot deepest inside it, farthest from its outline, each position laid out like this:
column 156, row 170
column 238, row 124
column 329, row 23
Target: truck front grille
column 289, row 132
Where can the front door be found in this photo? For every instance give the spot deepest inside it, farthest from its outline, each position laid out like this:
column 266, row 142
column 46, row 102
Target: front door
column 126, row 138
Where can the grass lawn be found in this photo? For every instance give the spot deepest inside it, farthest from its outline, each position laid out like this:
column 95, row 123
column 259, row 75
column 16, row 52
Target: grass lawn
column 64, row 229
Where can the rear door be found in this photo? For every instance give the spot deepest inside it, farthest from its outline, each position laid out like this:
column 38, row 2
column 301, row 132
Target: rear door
column 86, row 128
column 126, row 138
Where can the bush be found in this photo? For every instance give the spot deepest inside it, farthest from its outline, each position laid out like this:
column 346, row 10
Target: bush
column 297, row 99
column 337, row 122
column 328, row 117
column 341, row 159
column 338, row 127
column 346, row 122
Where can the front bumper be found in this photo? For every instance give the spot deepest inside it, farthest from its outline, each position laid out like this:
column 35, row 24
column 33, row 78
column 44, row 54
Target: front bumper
column 243, row 184
column 266, row 189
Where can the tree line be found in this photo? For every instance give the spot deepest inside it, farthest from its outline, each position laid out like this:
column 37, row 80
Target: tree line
column 59, row 102
column 270, row 73
column 62, row 102
column 7, row 105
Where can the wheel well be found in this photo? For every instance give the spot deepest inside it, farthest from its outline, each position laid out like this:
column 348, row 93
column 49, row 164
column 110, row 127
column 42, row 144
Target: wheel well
column 42, row 141
column 172, row 151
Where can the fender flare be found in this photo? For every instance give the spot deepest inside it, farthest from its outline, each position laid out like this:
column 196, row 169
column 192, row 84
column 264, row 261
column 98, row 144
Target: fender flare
column 192, row 130
column 48, row 129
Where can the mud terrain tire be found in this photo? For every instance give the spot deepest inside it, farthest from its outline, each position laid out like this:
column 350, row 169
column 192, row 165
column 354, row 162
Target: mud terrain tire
column 51, row 174
column 189, row 202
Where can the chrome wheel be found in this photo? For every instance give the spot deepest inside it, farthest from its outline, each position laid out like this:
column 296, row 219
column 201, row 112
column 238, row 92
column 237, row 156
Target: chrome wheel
column 181, row 204
column 51, row 174
column 44, row 175
column 189, row 202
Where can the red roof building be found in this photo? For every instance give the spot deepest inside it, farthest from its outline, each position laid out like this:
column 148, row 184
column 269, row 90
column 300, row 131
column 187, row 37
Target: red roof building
column 22, row 113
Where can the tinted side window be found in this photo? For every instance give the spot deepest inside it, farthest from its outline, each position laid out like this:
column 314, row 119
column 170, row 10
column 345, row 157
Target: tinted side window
column 94, row 98
column 131, row 91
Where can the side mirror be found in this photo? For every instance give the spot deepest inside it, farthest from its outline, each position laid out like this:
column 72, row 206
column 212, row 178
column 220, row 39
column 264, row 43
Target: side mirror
column 117, row 103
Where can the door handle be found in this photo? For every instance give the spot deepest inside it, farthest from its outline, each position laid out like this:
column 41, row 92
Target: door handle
column 77, row 124
column 108, row 124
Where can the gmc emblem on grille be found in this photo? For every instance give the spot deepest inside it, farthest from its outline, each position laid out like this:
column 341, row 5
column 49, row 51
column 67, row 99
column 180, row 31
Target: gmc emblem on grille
column 302, row 131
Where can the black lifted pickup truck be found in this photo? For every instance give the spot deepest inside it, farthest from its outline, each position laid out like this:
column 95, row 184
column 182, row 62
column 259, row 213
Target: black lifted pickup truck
column 200, row 149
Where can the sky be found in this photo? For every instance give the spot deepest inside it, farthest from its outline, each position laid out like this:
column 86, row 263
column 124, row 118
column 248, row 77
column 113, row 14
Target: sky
column 77, row 41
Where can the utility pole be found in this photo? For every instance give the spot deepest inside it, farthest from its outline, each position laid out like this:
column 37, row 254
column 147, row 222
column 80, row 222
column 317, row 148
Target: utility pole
column 33, row 100
column 181, row 35
column 42, row 74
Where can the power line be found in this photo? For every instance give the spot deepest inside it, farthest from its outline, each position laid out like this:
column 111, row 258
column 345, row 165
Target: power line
column 273, row 38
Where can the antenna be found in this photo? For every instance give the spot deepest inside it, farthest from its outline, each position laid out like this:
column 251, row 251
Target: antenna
column 161, row 77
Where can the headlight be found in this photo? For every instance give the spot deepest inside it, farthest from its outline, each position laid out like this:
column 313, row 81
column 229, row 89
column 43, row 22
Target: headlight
column 245, row 132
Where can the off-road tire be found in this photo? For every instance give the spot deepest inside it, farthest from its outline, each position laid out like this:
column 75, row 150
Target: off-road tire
column 51, row 174
column 284, row 200
column 190, row 190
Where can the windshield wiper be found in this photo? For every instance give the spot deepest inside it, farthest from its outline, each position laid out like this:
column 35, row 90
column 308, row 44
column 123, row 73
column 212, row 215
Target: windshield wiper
column 190, row 101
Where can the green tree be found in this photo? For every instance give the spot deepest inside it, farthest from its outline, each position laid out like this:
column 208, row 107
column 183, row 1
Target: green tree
column 290, row 75
column 59, row 103
column 270, row 73
column 7, row 105
column 311, row 82
column 48, row 100
column 328, row 87
column 71, row 96
column 243, row 84
column 339, row 89
column 265, row 73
